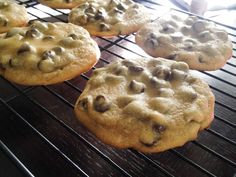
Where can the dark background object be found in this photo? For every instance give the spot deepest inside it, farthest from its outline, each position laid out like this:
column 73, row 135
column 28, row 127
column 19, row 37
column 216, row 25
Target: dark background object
column 40, row 135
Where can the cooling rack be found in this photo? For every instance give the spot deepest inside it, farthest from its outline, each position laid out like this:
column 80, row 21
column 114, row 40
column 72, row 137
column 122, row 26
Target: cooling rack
column 40, row 136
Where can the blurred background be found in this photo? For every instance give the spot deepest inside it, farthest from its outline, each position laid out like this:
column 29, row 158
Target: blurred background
column 218, row 10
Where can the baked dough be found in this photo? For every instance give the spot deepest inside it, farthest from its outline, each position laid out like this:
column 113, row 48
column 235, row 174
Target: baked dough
column 149, row 104
column 61, row 4
column 195, row 41
column 110, row 17
column 12, row 15
column 46, row 53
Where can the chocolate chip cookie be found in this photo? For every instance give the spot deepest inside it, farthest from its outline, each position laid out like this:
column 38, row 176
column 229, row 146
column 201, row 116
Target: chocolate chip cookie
column 110, row 17
column 46, row 53
column 195, row 41
column 12, row 15
column 149, row 104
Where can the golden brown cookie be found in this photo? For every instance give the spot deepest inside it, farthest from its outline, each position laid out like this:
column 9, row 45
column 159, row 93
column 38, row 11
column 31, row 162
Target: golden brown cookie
column 61, row 4
column 12, row 15
column 110, row 17
column 195, row 41
column 147, row 104
column 46, row 53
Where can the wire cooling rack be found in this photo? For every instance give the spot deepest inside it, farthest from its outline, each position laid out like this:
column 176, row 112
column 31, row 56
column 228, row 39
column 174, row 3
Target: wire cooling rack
column 40, row 136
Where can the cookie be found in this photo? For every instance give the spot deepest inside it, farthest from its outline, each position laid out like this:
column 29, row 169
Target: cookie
column 147, row 104
column 12, row 15
column 195, row 41
column 110, row 17
column 46, row 53
column 61, row 4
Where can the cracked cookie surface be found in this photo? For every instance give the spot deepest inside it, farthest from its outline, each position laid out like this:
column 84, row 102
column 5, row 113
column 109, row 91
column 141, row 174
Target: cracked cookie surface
column 147, row 104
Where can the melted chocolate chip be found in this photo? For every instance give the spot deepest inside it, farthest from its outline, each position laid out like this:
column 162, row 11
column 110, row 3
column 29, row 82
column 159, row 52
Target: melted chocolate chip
column 137, row 87
column 115, row 10
column 3, row 21
column 32, row 33
column 24, row 48
column 83, row 104
column 48, row 38
column 68, row 1
column 135, row 69
column 201, row 59
column 100, row 104
column 90, row 9
column 121, row 6
column 158, row 128
column 48, row 54
column 58, row 50
column 172, row 56
column 152, row 43
column 162, row 72
column 104, row 27
column 74, row 36
column 99, row 15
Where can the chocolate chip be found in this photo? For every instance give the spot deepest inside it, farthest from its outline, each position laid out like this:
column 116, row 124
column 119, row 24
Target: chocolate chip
column 48, row 54
column 193, row 96
column 32, row 33
column 135, row 69
column 172, row 56
column 201, row 59
column 137, row 87
column 199, row 25
column 48, row 38
column 74, row 36
column 58, row 50
column 68, row 1
column 135, row 6
column 115, row 10
column 24, row 48
column 158, row 128
column 2, row 67
column 189, row 44
column 152, row 43
column 104, row 27
column 152, row 35
column 100, row 104
column 99, row 15
column 83, row 104
column 90, row 9
column 162, row 72
column 121, row 6
column 157, row 131
column 3, row 21
column 167, row 29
